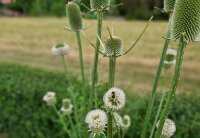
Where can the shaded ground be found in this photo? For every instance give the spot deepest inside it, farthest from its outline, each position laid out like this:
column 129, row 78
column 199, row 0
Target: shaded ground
column 29, row 40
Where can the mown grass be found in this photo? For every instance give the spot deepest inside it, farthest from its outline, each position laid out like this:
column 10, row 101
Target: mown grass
column 25, row 115
column 29, row 40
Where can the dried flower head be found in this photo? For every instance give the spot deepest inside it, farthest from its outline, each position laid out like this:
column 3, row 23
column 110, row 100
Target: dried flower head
column 60, row 49
column 66, row 108
column 50, row 98
column 126, row 122
column 74, row 16
column 186, row 19
column 169, row 128
column 96, row 120
column 114, row 99
column 98, row 5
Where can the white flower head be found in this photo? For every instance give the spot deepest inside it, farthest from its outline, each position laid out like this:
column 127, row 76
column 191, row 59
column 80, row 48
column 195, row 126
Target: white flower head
column 96, row 120
column 169, row 64
column 126, row 122
column 66, row 108
column 171, row 52
column 114, row 99
column 50, row 98
column 60, row 49
column 169, row 128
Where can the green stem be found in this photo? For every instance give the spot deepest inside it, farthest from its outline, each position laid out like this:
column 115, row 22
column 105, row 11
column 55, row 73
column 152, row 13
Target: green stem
column 80, row 56
column 72, row 96
column 123, row 133
column 62, row 121
column 160, row 105
column 110, row 133
column 96, row 58
column 174, row 84
column 155, row 86
column 117, row 126
column 72, row 125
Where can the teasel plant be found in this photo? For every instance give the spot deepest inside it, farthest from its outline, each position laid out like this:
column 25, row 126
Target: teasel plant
column 98, row 7
column 62, row 49
column 168, row 64
column 113, row 49
column 168, row 9
column 75, row 23
column 185, row 27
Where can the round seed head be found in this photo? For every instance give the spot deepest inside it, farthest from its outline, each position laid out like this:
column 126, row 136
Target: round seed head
column 126, row 122
column 74, row 16
column 113, row 47
column 96, row 120
column 114, row 99
column 50, row 98
column 169, row 128
column 186, row 19
column 169, row 5
column 60, row 49
column 98, row 5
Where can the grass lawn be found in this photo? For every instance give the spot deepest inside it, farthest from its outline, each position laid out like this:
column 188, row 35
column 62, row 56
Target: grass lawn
column 29, row 40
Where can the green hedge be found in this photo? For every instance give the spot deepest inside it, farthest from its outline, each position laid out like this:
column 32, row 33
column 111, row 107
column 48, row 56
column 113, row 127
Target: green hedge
column 24, row 114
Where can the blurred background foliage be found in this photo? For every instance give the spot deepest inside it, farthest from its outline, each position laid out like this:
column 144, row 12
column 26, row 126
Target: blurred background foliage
column 131, row 9
column 22, row 108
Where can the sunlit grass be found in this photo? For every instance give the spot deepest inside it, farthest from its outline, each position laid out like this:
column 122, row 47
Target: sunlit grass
column 29, row 40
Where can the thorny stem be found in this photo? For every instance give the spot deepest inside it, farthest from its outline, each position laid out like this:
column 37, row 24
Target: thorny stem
column 80, row 56
column 117, row 126
column 62, row 121
column 160, row 105
column 155, row 85
column 174, row 84
column 94, row 78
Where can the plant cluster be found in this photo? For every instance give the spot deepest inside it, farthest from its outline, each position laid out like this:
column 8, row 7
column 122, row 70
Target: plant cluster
column 103, row 119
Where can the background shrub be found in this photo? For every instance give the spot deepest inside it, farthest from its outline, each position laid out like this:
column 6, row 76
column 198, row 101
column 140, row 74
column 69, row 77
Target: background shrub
column 24, row 114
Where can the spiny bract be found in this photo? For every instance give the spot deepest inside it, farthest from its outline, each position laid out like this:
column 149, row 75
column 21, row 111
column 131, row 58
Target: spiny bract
column 169, row 5
column 113, row 46
column 74, row 16
column 98, row 5
column 186, row 19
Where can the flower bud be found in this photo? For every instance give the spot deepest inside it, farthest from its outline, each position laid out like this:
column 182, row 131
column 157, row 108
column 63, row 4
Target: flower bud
column 74, row 16
column 186, row 19
column 98, row 5
column 113, row 46
column 169, row 5
column 66, row 108
column 60, row 49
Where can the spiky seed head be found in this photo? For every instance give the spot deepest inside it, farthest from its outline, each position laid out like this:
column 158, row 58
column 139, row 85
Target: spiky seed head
column 98, row 5
column 186, row 19
column 113, row 46
column 169, row 5
column 74, row 16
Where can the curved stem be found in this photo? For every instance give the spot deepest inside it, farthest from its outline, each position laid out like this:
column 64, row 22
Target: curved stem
column 96, row 58
column 80, row 56
column 160, row 105
column 139, row 36
column 62, row 121
column 174, row 84
column 155, row 85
